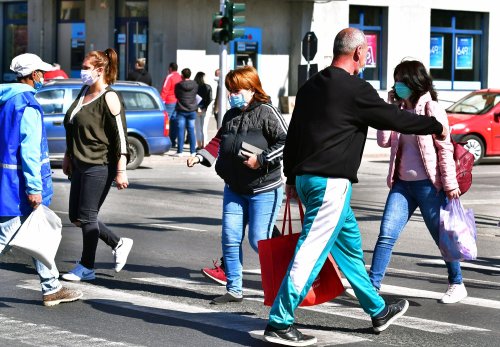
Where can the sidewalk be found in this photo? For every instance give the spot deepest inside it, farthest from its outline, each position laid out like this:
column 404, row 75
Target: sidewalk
column 372, row 150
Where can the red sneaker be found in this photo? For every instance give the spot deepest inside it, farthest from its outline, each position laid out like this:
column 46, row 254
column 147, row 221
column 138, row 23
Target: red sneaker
column 216, row 274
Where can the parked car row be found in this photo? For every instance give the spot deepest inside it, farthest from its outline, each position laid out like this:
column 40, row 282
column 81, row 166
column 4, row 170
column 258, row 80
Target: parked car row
column 475, row 121
column 147, row 120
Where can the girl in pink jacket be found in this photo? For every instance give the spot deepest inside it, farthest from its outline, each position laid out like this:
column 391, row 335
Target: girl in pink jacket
column 421, row 174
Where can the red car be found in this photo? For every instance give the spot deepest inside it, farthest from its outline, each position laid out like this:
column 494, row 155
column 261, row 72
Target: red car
column 475, row 121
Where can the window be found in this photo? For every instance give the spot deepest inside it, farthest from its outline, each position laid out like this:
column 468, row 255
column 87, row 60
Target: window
column 137, row 101
column 456, row 50
column 52, row 101
column 71, row 11
column 370, row 20
column 475, row 104
column 15, row 36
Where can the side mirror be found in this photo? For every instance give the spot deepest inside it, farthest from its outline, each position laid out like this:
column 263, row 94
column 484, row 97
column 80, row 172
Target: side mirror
column 496, row 117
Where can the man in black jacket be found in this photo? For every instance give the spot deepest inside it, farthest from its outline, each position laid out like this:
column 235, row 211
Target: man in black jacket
column 186, row 94
column 322, row 154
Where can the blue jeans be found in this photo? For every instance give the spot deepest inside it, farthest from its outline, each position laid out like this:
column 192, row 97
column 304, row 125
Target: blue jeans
column 403, row 199
column 259, row 212
column 186, row 120
column 172, row 120
column 48, row 278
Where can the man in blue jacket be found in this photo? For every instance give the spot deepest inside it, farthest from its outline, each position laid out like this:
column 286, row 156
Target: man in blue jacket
column 25, row 175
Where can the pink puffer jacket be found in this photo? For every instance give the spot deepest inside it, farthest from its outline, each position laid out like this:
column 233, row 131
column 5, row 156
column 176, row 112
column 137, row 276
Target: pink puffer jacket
column 437, row 156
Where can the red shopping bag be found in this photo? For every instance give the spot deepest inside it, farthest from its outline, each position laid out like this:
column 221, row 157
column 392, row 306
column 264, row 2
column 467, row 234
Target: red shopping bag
column 275, row 255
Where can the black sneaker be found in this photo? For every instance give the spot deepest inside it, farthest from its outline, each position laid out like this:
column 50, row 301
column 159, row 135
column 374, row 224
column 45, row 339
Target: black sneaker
column 226, row 298
column 394, row 312
column 288, row 337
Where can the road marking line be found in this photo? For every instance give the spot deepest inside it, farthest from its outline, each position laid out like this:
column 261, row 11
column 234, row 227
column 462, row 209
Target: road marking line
column 45, row 335
column 187, row 312
column 170, row 226
column 338, row 309
column 463, row 265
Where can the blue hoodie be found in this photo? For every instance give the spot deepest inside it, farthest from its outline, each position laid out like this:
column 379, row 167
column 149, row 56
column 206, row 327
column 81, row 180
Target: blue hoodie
column 30, row 136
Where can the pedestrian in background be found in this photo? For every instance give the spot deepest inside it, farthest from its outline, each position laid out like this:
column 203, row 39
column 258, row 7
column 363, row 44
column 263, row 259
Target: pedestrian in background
column 96, row 155
column 421, row 174
column 25, row 174
column 216, row 101
column 185, row 110
column 55, row 73
column 323, row 151
column 201, row 124
column 168, row 96
column 139, row 73
column 254, row 190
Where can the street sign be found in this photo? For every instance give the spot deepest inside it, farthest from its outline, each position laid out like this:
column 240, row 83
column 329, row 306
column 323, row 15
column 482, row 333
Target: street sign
column 309, row 46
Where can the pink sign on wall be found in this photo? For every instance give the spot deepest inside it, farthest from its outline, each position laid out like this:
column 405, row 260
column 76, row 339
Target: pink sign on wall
column 371, row 56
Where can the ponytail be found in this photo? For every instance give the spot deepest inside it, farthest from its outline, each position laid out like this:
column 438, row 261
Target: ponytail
column 112, row 68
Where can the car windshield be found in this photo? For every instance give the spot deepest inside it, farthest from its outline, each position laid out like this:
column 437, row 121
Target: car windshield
column 476, row 103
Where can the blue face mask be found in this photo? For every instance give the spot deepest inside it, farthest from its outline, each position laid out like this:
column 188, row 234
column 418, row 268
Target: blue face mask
column 237, row 100
column 402, row 90
column 38, row 84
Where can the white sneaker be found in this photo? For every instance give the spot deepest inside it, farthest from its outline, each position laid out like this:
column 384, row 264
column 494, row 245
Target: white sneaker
column 455, row 293
column 177, row 154
column 79, row 273
column 121, row 252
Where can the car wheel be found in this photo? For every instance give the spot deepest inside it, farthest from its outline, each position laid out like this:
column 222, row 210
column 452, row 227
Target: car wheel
column 474, row 145
column 136, row 150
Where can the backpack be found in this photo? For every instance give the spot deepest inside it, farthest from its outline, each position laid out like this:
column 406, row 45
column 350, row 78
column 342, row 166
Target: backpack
column 464, row 161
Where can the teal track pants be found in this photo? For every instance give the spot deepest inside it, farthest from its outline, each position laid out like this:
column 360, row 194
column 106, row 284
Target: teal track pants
column 329, row 227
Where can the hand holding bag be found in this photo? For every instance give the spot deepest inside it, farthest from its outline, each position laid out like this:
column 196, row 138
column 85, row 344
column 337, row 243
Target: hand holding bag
column 457, row 232
column 39, row 236
column 275, row 255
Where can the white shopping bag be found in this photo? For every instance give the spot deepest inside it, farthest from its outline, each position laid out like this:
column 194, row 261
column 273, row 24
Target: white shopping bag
column 39, row 236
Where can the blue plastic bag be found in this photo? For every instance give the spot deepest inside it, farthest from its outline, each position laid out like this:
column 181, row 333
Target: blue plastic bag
column 457, row 232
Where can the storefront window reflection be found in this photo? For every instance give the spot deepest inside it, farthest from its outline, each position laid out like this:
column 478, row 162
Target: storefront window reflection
column 72, row 10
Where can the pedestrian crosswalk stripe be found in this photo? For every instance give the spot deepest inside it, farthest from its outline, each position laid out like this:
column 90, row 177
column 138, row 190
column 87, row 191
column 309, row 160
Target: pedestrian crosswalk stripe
column 337, row 309
column 32, row 334
column 182, row 311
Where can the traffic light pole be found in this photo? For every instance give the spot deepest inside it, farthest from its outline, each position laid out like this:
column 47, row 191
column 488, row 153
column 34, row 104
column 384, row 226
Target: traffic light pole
column 222, row 76
column 222, row 86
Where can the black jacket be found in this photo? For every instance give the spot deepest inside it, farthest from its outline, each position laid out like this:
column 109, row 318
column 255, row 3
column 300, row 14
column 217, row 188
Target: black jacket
column 185, row 92
column 260, row 125
column 327, row 134
column 205, row 92
column 140, row 75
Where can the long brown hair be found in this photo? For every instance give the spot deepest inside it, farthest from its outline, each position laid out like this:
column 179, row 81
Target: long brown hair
column 107, row 59
column 246, row 77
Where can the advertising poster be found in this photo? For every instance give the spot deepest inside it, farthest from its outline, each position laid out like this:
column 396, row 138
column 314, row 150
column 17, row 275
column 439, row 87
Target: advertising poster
column 371, row 57
column 463, row 53
column 437, row 52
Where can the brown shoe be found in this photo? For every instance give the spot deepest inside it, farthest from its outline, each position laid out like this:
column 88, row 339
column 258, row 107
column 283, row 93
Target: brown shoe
column 63, row 295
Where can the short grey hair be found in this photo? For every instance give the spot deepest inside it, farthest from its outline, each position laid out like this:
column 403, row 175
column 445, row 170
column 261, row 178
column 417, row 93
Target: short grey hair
column 141, row 62
column 347, row 40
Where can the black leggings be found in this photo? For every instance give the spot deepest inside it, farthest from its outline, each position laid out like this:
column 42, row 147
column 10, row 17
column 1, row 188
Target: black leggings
column 90, row 185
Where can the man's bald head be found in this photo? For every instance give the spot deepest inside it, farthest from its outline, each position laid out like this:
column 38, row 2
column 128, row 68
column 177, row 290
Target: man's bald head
column 347, row 40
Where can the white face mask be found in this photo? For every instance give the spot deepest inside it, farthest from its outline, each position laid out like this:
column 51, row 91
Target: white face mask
column 88, row 78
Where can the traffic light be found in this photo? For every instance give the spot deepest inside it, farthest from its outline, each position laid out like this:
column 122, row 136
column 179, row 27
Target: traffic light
column 220, row 28
column 230, row 9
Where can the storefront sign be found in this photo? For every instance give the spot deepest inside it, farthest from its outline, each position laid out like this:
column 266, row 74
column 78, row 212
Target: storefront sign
column 437, row 52
column 463, row 53
column 121, row 38
column 371, row 56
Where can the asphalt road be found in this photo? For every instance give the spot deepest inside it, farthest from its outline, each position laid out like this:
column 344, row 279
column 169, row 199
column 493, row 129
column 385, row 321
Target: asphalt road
column 160, row 298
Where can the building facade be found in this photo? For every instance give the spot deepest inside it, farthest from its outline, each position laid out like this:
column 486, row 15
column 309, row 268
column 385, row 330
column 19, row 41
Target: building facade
column 454, row 39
